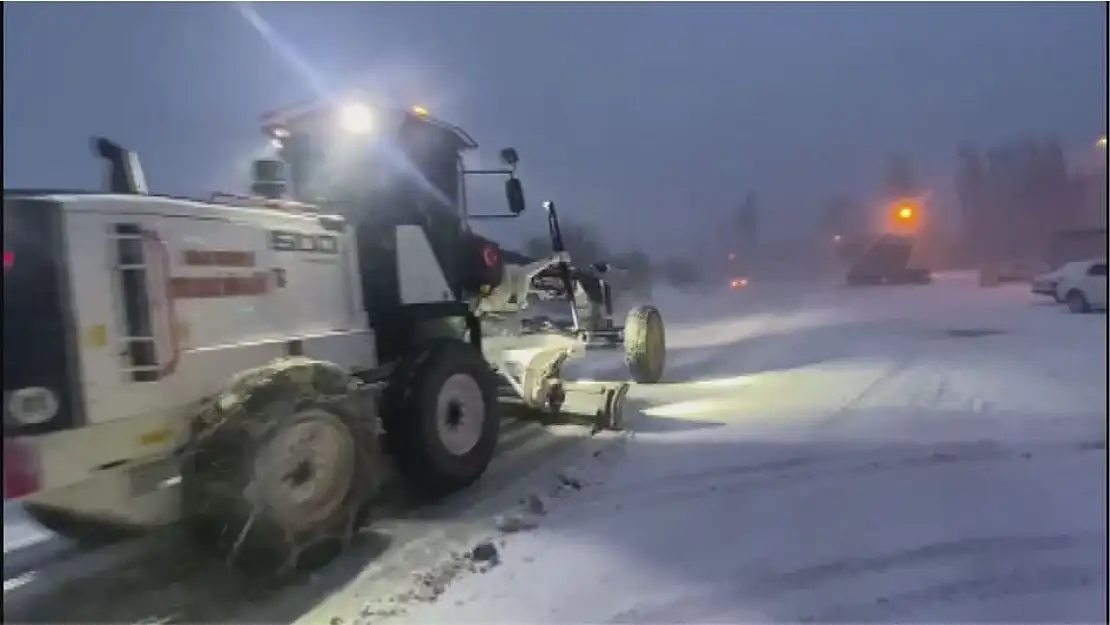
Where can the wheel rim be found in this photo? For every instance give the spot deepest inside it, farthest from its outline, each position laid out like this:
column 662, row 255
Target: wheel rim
column 306, row 469
column 460, row 414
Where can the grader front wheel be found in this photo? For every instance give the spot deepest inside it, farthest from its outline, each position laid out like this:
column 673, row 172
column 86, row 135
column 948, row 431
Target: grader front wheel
column 645, row 345
column 443, row 423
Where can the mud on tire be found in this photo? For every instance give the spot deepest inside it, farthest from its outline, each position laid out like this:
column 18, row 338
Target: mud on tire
column 281, row 466
column 645, row 344
column 442, row 421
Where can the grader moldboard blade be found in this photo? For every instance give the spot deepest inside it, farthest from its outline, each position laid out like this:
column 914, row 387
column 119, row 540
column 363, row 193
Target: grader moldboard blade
column 533, row 370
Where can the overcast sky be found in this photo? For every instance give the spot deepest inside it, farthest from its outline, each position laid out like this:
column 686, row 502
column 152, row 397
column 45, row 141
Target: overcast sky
column 645, row 117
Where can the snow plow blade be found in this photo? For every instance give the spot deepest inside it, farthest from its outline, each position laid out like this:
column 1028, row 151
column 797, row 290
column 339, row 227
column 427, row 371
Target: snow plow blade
column 607, row 397
column 596, row 405
column 533, row 375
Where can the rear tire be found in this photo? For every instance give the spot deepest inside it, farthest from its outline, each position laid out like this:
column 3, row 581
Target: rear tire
column 645, row 345
column 1077, row 302
column 442, row 424
column 280, row 469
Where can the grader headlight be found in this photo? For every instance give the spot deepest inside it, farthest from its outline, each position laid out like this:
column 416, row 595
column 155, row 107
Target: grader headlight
column 356, row 118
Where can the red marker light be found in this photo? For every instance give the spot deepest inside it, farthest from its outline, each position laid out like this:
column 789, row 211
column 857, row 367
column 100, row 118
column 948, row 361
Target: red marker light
column 9, row 259
column 490, row 256
column 21, row 465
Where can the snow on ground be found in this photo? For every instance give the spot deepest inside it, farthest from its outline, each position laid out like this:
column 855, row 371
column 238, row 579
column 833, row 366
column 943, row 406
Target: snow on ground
column 888, row 454
column 19, row 531
column 891, row 454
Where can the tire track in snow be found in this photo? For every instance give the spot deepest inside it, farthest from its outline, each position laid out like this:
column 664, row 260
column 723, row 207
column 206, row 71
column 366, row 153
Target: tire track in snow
column 927, row 388
column 724, row 481
column 796, row 467
column 1015, row 583
column 1003, row 553
column 918, row 387
column 784, row 315
column 920, row 383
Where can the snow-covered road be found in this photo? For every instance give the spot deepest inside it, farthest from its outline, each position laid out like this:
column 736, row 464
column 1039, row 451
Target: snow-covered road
column 891, row 454
column 896, row 454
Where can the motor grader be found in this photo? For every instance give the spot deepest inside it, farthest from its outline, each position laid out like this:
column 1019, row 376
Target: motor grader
column 256, row 365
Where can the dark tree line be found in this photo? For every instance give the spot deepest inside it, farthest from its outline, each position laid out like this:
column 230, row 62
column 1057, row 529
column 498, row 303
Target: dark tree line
column 841, row 215
column 899, row 178
column 1012, row 197
column 747, row 219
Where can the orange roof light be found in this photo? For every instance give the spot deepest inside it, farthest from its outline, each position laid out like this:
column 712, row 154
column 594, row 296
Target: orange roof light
column 906, row 212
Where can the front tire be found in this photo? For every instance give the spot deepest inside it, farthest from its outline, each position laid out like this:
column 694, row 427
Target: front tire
column 645, row 345
column 1077, row 302
column 443, row 422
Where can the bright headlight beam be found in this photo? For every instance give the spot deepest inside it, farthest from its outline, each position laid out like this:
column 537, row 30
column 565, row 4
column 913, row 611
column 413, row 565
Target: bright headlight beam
column 282, row 47
column 356, row 118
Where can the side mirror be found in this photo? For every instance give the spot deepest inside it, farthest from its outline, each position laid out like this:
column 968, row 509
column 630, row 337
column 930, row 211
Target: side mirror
column 514, row 194
column 268, row 178
column 509, row 157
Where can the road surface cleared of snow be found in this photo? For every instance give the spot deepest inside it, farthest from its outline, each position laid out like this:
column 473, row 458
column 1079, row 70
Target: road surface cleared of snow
column 892, row 454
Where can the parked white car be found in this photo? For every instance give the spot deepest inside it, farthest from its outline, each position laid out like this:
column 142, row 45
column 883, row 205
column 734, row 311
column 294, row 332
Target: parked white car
column 1045, row 283
column 1082, row 285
